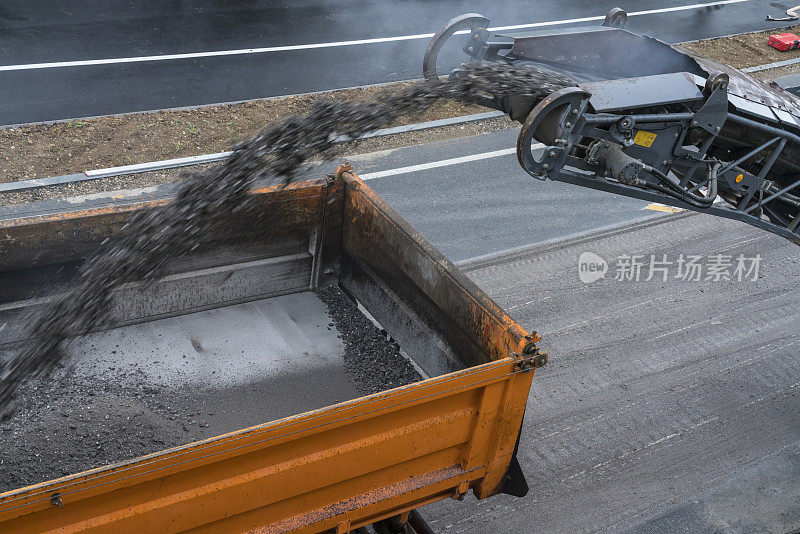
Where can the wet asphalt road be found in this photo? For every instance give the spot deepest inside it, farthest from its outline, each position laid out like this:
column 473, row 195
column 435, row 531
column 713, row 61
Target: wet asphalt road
column 490, row 205
column 52, row 31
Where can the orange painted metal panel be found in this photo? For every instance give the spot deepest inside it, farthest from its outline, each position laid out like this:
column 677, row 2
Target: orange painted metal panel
column 367, row 457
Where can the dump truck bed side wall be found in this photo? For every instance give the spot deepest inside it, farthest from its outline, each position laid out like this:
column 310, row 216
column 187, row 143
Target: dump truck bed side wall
column 389, row 266
column 268, row 253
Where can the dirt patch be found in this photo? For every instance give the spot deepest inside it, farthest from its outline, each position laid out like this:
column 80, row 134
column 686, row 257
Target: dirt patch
column 743, row 50
column 149, row 179
column 41, row 151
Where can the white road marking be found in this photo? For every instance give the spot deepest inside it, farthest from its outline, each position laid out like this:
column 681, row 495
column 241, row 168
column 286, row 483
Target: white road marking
column 656, row 206
column 79, row 199
column 601, row 17
column 157, row 165
column 335, row 44
column 441, row 163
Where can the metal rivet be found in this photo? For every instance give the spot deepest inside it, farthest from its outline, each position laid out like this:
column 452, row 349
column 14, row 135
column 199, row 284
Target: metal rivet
column 552, row 154
column 568, row 125
column 545, row 166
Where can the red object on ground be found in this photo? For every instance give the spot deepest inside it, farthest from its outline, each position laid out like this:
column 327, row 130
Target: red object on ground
column 784, row 41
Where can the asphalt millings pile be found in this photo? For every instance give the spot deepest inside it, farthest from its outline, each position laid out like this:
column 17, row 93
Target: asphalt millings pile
column 154, row 238
column 372, row 357
column 68, row 423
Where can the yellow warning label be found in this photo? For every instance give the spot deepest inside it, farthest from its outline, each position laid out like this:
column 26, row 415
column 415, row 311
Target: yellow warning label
column 644, row 139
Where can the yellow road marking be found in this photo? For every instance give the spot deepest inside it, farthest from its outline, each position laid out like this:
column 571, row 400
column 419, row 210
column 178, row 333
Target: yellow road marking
column 666, row 209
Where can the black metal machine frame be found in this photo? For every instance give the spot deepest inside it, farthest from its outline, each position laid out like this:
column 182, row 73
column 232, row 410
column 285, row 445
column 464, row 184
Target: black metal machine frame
column 648, row 121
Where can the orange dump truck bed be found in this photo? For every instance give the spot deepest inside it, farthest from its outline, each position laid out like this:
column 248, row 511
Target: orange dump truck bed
column 332, row 469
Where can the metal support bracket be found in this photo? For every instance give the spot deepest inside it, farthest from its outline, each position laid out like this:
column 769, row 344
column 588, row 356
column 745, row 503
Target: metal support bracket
column 461, row 491
column 714, row 112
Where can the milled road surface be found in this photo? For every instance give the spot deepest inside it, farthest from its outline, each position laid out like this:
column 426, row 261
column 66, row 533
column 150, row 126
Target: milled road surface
column 51, row 31
column 666, row 406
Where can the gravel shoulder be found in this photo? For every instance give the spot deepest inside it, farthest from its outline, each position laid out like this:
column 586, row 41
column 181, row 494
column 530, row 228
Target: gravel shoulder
column 743, row 50
column 149, row 179
column 748, row 50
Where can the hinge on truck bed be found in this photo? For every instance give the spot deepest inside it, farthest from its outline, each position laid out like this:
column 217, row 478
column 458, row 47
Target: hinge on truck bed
column 531, row 358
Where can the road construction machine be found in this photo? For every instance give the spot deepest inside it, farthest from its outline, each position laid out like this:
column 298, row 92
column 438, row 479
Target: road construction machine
column 646, row 120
